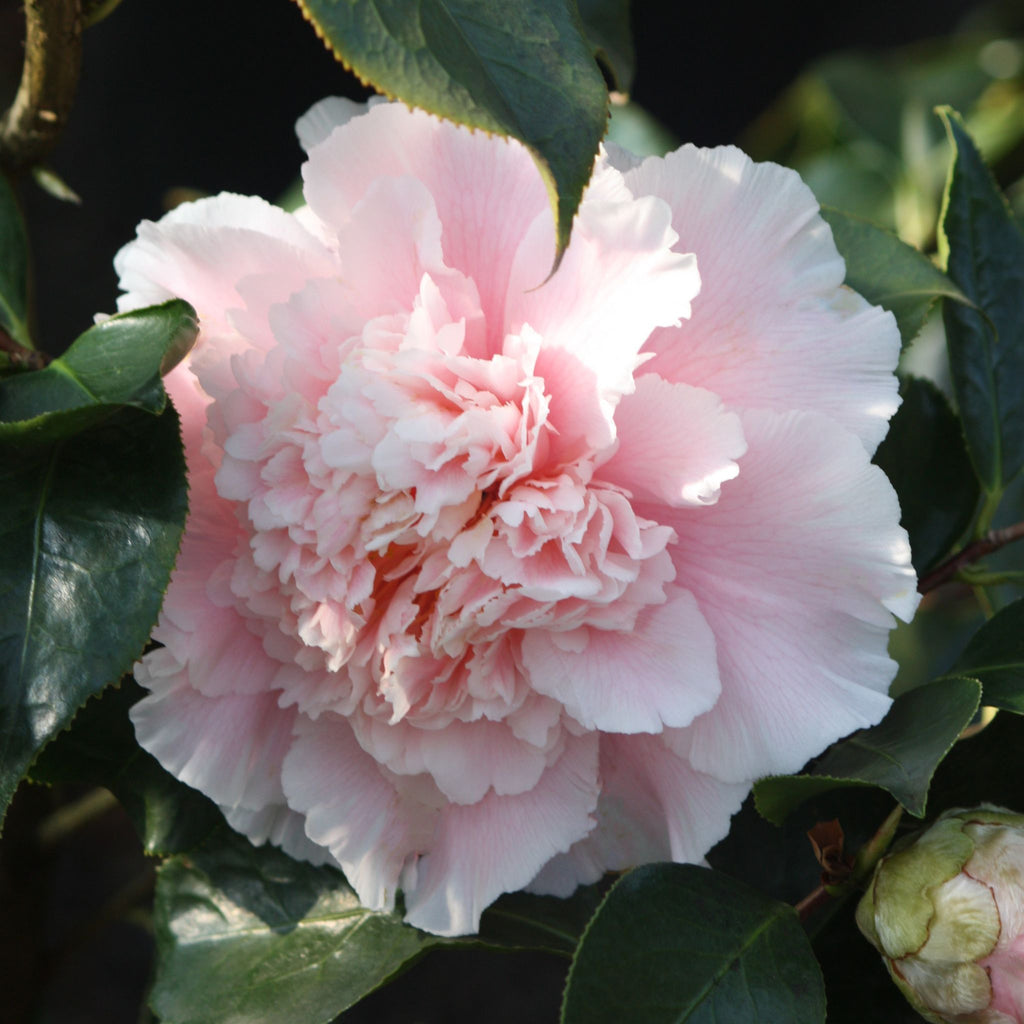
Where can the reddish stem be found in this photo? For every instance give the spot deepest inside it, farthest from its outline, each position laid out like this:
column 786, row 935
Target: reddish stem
column 992, row 541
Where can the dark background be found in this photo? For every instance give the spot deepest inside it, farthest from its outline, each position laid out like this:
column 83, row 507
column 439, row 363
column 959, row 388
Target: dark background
column 203, row 94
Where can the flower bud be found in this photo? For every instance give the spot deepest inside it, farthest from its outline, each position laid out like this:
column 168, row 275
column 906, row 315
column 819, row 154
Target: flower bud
column 946, row 912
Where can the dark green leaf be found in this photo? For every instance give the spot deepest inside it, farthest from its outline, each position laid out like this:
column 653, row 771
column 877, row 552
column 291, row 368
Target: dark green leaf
column 13, row 267
column 924, row 457
column 248, row 934
column 516, row 69
column 984, row 251
column 524, row 921
column 888, row 272
column 995, row 657
column 118, row 362
column 89, row 529
column 606, row 23
column 675, row 942
column 900, row 754
column 100, row 748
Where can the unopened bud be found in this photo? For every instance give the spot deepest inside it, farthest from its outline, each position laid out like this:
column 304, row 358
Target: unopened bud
column 946, row 912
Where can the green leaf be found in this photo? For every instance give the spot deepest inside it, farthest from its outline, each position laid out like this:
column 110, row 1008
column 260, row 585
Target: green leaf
column 116, row 363
column 607, row 26
column 519, row 69
column 888, row 272
column 89, row 530
column 984, row 253
column 100, row 748
column 247, row 933
column 675, row 942
column 925, row 458
column 899, row 755
column 13, row 267
column 524, row 921
column 995, row 657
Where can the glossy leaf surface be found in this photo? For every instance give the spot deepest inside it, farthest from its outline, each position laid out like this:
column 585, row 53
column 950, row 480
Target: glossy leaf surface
column 606, row 23
column 523, row 70
column 899, row 755
column 924, row 456
column 995, row 657
column 675, row 942
column 89, row 530
column 115, row 363
column 984, row 251
column 888, row 272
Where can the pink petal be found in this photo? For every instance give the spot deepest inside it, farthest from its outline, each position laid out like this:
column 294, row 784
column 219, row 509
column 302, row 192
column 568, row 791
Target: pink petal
column 230, row 748
column 499, row 844
column 323, row 117
column 279, row 825
column 487, row 191
column 772, row 328
column 662, row 673
column 619, row 279
column 465, row 759
column 354, row 809
column 677, row 443
column 200, row 252
column 794, row 569
column 654, row 806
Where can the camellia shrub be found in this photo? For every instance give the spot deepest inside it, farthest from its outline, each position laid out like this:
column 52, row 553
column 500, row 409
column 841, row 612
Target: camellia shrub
column 499, row 547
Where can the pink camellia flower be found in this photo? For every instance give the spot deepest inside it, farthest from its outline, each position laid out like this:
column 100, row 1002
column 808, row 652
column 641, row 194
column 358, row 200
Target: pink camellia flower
column 493, row 581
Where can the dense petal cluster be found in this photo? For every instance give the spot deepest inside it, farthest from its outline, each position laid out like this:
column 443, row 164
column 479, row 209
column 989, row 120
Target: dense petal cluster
column 493, row 580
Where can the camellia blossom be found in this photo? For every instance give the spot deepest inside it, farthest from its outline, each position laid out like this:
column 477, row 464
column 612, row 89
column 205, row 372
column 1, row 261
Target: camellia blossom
column 492, row 580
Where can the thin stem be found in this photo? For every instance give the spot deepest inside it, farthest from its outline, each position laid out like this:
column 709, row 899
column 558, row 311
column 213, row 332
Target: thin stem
column 992, row 541
column 53, row 57
column 979, row 577
column 874, row 849
column 867, row 857
column 988, row 512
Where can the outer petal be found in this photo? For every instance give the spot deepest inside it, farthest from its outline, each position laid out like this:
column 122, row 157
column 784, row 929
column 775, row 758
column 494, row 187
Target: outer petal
column 662, row 673
column 487, row 191
column 794, row 569
column 230, row 748
column 654, row 806
column 499, row 844
column 279, row 825
column 772, row 328
column 354, row 809
column 200, row 252
column 677, row 443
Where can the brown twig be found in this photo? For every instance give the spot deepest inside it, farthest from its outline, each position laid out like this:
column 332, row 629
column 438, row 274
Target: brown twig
column 53, row 56
column 992, row 541
column 812, row 901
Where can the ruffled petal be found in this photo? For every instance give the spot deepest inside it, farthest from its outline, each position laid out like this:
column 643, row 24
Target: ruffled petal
column 654, row 806
column 487, row 190
column 772, row 328
column 499, row 844
column 230, row 748
column 677, row 444
column 662, row 673
column 201, row 251
column 619, row 279
column 278, row 824
column 353, row 808
column 794, row 570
